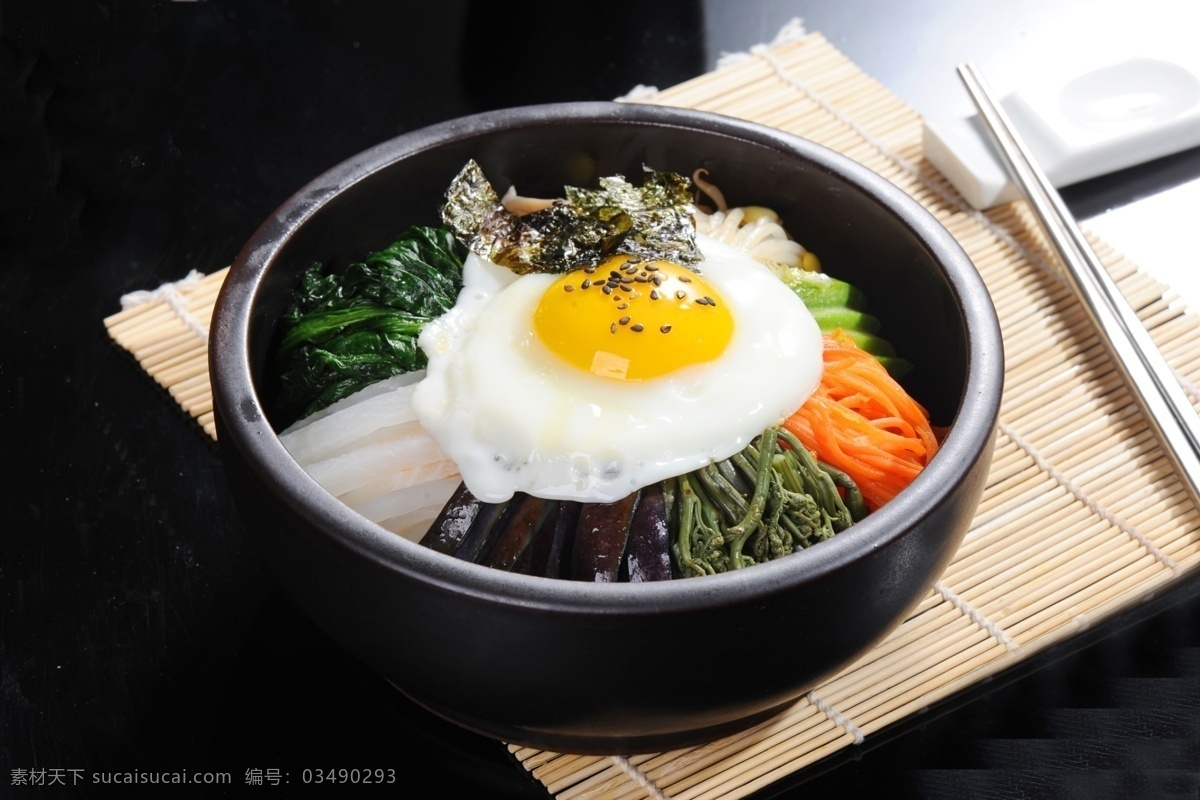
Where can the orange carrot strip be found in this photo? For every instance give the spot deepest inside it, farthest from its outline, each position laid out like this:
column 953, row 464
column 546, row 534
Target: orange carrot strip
column 862, row 422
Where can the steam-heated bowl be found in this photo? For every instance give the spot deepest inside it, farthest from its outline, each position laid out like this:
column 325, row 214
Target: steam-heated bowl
column 613, row 668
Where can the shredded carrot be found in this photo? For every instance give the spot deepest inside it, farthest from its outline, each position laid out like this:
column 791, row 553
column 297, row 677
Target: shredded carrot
column 861, row 421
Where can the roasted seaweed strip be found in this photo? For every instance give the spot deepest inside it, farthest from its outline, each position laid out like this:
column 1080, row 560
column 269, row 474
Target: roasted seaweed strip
column 647, row 222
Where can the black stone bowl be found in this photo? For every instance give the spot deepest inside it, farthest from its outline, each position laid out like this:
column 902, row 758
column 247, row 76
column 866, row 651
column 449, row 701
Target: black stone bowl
column 613, row 668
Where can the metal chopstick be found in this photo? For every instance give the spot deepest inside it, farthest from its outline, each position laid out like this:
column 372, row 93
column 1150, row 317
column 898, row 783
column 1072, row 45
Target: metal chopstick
column 1163, row 402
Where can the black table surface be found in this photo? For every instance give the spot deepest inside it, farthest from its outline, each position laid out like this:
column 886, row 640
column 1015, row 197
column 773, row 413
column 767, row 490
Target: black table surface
column 140, row 631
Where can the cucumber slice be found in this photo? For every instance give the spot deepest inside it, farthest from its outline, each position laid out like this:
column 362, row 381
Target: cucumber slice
column 818, row 290
column 831, row 317
column 897, row 367
column 836, row 305
column 873, row 344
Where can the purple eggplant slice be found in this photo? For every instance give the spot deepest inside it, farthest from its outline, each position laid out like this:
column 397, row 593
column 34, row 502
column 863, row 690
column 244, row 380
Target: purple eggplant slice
column 482, row 529
column 515, row 532
column 450, row 527
column 600, row 539
column 648, row 552
column 546, row 554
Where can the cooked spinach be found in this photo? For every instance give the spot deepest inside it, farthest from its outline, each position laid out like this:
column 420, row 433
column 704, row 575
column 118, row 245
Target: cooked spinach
column 347, row 329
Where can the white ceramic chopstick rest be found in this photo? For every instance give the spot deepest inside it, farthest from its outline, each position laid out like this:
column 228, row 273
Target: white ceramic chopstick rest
column 1091, row 124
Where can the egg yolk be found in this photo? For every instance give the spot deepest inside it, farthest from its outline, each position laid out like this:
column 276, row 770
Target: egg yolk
column 631, row 320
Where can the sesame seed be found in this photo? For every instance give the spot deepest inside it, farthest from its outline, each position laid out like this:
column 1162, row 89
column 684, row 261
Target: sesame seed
column 612, row 328
column 652, row 267
column 684, row 279
column 607, row 289
column 637, row 327
column 622, row 306
column 570, row 287
column 665, row 328
column 640, row 278
column 623, row 320
column 586, row 283
column 680, row 294
column 711, row 302
column 654, row 294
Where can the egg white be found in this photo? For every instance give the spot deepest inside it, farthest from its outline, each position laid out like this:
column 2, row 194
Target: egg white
column 514, row 417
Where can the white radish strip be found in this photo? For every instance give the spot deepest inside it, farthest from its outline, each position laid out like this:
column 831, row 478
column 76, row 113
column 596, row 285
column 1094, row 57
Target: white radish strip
column 406, row 501
column 385, row 416
column 401, row 479
column 366, row 393
column 340, row 474
column 412, row 526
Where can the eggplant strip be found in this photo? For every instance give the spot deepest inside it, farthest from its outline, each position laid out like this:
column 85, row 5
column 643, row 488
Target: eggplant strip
column 516, row 531
column 481, row 531
column 648, row 554
column 600, row 539
column 767, row 501
column 450, row 526
column 546, row 554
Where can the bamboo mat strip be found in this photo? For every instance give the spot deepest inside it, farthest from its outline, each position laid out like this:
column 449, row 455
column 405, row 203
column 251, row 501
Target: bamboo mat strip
column 166, row 330
column 1082, row 515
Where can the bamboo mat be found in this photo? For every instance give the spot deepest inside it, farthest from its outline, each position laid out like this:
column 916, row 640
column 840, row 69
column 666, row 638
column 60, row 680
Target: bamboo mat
column 166, row 330
column 1082, row 515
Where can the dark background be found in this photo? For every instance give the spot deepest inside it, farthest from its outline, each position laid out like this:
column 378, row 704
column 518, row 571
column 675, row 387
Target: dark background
column 140, row 631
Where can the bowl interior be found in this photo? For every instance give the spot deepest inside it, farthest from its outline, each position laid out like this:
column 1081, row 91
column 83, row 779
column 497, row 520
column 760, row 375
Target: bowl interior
column 852, row 222
column 932, row 304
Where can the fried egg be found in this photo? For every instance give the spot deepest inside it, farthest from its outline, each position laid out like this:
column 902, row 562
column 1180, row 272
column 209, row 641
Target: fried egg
column 592, row 384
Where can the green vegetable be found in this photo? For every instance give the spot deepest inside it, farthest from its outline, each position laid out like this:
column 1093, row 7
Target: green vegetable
column 832, row 317
column 873, row 344
column 818, row 290
column 348, row 329
column 836, row 304
column 769, row 500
